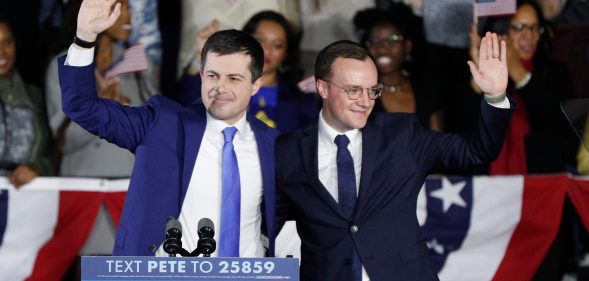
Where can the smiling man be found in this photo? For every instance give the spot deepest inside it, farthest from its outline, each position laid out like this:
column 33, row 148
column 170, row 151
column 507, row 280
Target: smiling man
column 351, row 182
column 208, row 160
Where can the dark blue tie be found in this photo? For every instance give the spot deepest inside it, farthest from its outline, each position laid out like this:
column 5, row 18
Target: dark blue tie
column 231, row 198
column 346, row 177
column 346, row 188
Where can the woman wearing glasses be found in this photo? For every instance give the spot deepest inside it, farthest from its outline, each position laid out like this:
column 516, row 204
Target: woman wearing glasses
column 389, row 39
column 534, row 143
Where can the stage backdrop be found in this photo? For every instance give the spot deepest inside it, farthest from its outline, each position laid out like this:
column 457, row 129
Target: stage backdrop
column 477, row 228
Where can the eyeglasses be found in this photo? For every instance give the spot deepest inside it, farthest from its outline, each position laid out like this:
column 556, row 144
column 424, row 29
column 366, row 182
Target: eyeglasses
column 391, row 40
column 521, row 27
column 354, row 92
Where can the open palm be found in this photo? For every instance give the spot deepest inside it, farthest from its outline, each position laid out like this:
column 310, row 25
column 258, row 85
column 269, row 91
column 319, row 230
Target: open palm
column 491, row 74
column 95, row 16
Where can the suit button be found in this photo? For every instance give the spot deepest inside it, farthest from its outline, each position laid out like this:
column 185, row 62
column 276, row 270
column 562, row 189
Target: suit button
column 354, row 228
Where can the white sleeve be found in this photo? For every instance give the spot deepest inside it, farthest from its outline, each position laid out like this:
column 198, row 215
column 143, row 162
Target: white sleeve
column 504, row 104
column 77, row 56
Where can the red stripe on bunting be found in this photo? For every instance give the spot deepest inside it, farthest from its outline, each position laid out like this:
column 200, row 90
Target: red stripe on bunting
column 542, row 206
column 77, row 213
column 579, row 194
column 114, row 202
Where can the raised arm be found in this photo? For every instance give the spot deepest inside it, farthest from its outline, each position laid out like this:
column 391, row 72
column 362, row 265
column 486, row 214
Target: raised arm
column 483, row 144
column 119, row 124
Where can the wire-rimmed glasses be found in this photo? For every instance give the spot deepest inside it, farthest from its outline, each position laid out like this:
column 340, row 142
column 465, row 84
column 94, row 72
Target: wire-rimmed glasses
column 354, row 92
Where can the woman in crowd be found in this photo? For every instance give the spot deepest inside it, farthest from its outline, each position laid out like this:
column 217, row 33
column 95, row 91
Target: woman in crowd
column 84, row 154
column 389, row 39
column 24, row 135
column 278, row 103
column 534, row 143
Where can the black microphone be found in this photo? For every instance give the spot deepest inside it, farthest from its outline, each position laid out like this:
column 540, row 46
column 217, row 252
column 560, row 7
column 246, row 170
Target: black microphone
column 206, row 242
column 173, row 242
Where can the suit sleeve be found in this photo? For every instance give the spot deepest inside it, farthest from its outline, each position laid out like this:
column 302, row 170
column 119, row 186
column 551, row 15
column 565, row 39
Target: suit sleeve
column 462, row 151
column 122, row 125
column 283, row 206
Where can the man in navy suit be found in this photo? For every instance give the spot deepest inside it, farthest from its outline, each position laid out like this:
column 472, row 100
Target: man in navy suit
column 180, row 152
column 351, row 182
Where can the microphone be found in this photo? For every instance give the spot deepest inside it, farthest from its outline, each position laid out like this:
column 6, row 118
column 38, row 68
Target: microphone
column 206, row 242
column 173, row 242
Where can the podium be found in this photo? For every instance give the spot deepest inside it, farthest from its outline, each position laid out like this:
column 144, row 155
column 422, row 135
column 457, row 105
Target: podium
column 187, row 268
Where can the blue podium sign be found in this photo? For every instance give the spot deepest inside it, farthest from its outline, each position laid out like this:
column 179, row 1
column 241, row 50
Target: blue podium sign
column 180, row 268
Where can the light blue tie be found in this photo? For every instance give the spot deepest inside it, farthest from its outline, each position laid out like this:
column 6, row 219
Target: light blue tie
column 231, row 198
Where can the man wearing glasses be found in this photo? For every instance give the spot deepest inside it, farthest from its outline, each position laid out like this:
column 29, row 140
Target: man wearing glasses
column 351, row 183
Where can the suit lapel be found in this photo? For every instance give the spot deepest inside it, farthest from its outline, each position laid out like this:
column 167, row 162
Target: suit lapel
column 309, row 148
column 370, row 143
column 265, row 143
column 194, row 122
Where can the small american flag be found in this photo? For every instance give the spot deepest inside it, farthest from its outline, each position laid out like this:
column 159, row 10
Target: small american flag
column 486, row 8
column 134, row 59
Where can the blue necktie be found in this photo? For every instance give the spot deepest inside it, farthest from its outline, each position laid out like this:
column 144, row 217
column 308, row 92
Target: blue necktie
column 346, row 187
column 231, row 198
column 346, row 177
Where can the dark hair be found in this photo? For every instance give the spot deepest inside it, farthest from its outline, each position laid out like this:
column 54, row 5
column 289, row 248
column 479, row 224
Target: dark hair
column 339, row 49
column 398, row 15
column 227, row 42
column 290, row 65
column 500, row 25
column 7, row 23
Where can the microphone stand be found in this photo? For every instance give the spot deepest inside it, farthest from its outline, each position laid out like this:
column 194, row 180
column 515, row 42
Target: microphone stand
column 204, row 250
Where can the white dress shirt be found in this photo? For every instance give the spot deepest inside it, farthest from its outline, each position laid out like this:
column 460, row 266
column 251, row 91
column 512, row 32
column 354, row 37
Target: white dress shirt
column 203, row 198
column 327, row 152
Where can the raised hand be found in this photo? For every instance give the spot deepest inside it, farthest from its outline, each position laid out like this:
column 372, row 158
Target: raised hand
column 201, row 38
column 96, row 16
column 491, row 74
column 204, row 34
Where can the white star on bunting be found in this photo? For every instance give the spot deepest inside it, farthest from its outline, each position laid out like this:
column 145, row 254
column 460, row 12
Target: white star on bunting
column 450, row 194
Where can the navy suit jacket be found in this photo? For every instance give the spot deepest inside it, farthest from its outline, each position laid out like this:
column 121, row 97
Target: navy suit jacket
column 397, row 155
column 165, row 138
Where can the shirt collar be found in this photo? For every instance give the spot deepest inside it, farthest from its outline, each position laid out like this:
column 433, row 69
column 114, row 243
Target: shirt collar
column 327, row 133
column 217, row 126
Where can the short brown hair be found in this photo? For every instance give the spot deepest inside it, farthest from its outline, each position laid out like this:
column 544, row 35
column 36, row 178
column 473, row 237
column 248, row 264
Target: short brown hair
column 227, row 42
column 339, row 49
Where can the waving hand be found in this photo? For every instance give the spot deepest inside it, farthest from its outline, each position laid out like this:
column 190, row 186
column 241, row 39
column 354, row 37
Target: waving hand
column 491, row 74
column 95, row 16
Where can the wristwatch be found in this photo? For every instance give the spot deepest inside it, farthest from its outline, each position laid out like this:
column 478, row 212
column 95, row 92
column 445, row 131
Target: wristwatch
column 83, row 43
column 495, row 99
